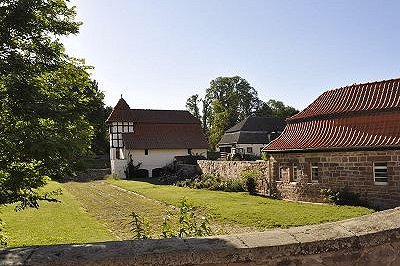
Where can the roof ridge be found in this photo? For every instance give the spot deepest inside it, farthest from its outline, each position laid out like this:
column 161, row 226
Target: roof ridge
column 175, row 110
column 362, row 83
column 374, row 95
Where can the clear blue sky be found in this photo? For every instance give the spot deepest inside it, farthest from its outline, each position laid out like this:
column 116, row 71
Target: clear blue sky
column 158, row 53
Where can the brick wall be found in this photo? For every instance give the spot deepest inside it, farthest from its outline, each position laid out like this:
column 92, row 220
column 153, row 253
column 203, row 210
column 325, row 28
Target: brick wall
column 353, row 170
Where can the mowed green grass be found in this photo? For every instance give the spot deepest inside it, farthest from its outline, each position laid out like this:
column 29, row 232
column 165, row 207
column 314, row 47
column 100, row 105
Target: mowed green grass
column 243, row 209
column 100, row 211
column 53, row 223
column 113, row 207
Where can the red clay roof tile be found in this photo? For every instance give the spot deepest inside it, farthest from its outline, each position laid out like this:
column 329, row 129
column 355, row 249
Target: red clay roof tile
column 165, row 136
column 358, row 116
column 159, row 129
column 354, row 98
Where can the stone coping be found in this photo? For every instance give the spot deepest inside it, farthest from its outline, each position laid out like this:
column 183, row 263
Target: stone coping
column 272, row 247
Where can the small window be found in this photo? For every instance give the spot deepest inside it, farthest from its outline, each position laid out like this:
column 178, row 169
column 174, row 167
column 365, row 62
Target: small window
column 314, row 173
column 295, row 176
column 119, row 154
column 190, row 151
column 146, row 152
column 280, row 177
column 249, row 150
column 380, row 174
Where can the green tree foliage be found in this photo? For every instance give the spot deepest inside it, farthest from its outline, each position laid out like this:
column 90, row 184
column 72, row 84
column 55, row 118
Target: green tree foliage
column 229, row 100
column 279, row 109
column 46, row 99
column 192, row 105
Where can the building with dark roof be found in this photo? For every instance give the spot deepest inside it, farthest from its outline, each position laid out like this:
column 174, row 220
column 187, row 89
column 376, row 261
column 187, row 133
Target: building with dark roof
column 152, row 137
column 250, row 135
column 348, row 137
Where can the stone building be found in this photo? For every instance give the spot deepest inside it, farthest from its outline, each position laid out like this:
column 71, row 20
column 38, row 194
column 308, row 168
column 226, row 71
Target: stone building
column 152, row 138
column 348, row 137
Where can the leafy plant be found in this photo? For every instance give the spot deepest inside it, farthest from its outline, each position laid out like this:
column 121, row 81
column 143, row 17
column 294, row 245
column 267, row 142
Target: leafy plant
column 140, row 226
column 342, row 196
column 189, row 223
column 167, row 231
column 250, row 178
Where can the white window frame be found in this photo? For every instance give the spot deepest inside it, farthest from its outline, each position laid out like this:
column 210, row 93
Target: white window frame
column 381, row 167
column 280, row 175
column 295, row 173
column 312, row 176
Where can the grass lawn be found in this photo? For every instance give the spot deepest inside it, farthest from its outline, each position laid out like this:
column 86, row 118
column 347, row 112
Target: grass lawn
column 113, row 206
column 100, row 211
column 243, row 209
column 53, row 223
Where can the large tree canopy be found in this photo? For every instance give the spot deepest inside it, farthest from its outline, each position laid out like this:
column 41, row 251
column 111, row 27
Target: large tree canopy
column 229, row 100
column 46, row 99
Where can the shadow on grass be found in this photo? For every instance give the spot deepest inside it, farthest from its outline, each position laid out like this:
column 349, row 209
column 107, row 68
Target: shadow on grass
column 150, row 180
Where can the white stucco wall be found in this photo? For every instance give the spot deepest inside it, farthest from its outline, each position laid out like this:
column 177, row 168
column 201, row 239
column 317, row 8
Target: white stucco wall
column 156, row 158
column 256, row 148
column 159, row 157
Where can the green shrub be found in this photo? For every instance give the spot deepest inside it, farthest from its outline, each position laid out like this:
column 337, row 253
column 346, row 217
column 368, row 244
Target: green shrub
column 341, row 196
column 250, row 180
column 234, row 185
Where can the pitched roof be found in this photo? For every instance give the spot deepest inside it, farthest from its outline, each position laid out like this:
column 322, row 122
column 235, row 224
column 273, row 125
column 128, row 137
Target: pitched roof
column 253, row 130
column 122, row 113
column 256, row 123
column 165, row 136
column 244, row 138
column 159, row 129
column 363, row 116
column 355, row 98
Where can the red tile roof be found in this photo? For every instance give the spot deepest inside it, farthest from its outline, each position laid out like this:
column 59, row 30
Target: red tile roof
column 159, row 129
column 122, row 113
column 363, row 116
column 165, row 136
column 358, row 97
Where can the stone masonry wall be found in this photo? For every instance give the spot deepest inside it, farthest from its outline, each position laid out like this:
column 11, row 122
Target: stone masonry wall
column 233, row 169
column 353, row 170
column 372, row 240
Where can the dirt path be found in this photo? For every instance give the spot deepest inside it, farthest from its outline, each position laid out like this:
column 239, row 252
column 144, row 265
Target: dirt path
column 112, row 205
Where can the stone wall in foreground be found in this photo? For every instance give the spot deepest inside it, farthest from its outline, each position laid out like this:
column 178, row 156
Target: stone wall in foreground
column 371, row 240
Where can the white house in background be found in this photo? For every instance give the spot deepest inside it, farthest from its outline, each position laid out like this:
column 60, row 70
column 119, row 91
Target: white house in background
column 152, row 137
column 250, row 135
